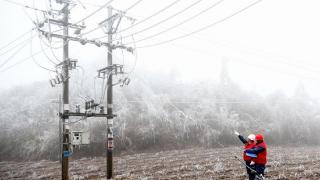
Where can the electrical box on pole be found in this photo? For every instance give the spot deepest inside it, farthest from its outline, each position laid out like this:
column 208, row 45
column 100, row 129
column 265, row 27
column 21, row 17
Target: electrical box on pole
column 80, row 137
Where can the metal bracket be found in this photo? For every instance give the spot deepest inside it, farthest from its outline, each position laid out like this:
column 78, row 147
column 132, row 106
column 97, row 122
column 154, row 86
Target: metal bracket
column 58, row 80
column 86, row 114
column 61, row 23
column 72, row 63
column 114, row 69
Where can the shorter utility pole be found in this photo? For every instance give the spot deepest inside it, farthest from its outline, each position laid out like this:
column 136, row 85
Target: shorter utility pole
column 60, row 131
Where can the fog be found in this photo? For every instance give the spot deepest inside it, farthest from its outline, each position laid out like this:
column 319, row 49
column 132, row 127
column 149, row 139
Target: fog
column 269, row 47
column 200, row 69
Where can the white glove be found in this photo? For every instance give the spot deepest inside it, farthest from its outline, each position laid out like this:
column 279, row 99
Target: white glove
column 252, row 163
column 236, row 133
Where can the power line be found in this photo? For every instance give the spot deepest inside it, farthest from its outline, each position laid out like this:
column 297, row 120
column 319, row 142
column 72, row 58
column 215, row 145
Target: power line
column 203, row 28
column 290, row 74
column 133, row 5
column 149, row 17
column 135, row 57
column 13, row 54
column 83, row 6
column 91, row 4
column 16, row 39
column 22, row 60
column 94, row 12
column 34, row 60
column 280, row 61
column 51, row 48
column 199, row 102
column 162, row 21
column 271, row 69
column 17, row 45
column 23, row 5
column 41, row 46
column 98, row 27
column 179, row 24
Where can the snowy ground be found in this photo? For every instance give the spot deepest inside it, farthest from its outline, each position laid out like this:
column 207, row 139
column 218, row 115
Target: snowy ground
column 292, row 163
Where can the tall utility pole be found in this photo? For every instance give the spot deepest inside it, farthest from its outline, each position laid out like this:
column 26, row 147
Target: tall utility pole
column 109, row 158
column 108, row 72
column 65, row 95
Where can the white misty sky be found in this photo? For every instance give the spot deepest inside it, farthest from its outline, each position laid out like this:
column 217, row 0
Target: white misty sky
column 270, row 46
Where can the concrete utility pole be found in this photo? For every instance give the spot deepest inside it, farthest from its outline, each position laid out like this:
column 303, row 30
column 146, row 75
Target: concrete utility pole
column 63, row 78
column 65, row 95
column 60, row 130
column 109, row 158
column 108, row 72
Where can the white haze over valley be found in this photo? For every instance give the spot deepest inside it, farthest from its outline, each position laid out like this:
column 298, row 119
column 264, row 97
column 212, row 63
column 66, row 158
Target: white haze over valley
column 272, row 46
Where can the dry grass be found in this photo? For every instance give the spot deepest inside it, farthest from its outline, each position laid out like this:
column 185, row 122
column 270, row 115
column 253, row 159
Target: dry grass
column 291, row 163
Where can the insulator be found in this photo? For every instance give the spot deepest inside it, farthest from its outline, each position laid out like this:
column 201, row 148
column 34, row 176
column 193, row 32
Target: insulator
column 52, row 83
column 101, row 109
column 77, row 108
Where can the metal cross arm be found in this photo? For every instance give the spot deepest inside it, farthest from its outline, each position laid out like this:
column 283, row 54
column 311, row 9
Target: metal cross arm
column 81, row 40
column 115, row 69
column 85, row 41
column 72, row 63
column 61, row 23
column 129, row 49
column 87, row 114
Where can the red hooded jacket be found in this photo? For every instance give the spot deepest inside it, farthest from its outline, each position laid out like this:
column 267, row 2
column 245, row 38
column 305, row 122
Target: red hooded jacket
column 247, row 146
column 262, row 156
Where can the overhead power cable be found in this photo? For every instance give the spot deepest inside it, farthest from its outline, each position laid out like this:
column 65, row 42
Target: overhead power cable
column 179, row 24
column 133, row 5
column 34, row 60
column 160, row 22
column 94, row 12
column 14, row 47
column 23, row 5
column 51, row 48
column 203, row 28
column 98, row 27
column 13, row 54
column 47, row 56
column 16, row 39
column 149, row 17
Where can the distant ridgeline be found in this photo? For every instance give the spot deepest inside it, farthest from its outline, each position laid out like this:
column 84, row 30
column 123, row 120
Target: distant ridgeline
column 156, row 114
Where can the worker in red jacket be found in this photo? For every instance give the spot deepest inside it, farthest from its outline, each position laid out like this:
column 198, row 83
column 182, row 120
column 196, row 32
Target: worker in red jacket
column 249, row 159
column 260, row 149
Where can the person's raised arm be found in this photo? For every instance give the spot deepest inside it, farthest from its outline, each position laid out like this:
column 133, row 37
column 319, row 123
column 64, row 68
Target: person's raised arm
column 242, row 139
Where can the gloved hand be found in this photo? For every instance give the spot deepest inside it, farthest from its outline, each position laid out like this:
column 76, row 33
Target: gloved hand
column 236, row 133
column 252, row 163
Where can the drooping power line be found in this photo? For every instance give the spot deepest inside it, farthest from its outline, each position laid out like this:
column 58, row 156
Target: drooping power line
column 179, row 24
column 160, row 22
column 24, row 6
column 34, row 60
column 13, row 54
column 94, row 12
column 14, row 47
column 23, row 60
column 98, row 27
column 203, row 28
column 149, row 17
column 16, row 39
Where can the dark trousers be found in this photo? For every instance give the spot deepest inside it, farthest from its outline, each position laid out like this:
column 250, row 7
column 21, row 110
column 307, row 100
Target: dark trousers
column 250, row 173
column 260, row 168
